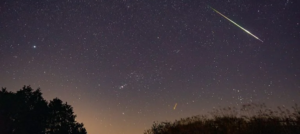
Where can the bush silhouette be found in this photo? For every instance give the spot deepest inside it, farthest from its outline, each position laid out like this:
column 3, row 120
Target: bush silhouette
column 26, row 112
column 250, row 119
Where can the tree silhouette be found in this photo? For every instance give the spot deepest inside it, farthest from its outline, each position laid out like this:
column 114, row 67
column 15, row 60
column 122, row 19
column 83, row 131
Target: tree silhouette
column 62, row 120
column 6, row 111
column 26, row 112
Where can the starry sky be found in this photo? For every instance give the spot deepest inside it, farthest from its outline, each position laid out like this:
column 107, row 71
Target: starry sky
column 123, row 64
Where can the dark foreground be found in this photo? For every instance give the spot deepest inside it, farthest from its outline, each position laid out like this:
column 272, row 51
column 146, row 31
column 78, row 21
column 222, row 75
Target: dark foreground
column 250, row 119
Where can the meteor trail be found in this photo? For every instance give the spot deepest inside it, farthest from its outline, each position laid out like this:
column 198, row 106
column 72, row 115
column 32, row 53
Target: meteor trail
column 175, row 106
column 236, row 24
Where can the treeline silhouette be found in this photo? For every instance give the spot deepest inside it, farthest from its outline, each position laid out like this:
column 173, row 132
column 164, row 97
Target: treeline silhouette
column 27, row 112
column 250, row 119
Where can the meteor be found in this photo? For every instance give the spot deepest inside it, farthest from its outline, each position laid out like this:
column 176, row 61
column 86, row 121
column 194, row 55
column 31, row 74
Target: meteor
column 175, row 106
column 248, row 32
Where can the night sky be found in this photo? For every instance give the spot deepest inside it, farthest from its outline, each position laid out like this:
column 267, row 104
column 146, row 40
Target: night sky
column 123, row 64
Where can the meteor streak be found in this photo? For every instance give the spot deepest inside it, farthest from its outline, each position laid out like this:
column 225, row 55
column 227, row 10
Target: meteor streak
column 236, row 24
column 175, row 106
